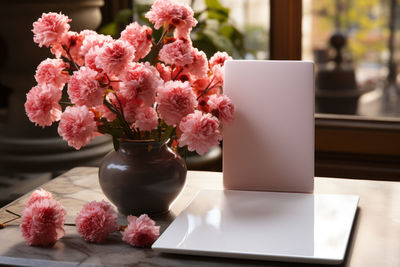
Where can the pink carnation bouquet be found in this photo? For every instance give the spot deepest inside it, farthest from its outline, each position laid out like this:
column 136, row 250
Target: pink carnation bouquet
column 134, row 87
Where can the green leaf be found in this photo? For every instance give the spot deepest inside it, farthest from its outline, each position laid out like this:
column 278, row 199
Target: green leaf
column 154, row 134
column 109, row 29
column 116, row 132
column 167, row 133
column 221, row 42
column 216, row 5
column 227, row 30
column 115, row 143
column 218, row 15
column 124, row 15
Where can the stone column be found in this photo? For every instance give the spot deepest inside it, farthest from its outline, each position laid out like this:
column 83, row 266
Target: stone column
column 23, row 146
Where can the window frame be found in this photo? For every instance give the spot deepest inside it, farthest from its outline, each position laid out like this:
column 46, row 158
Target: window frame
column 345, row 146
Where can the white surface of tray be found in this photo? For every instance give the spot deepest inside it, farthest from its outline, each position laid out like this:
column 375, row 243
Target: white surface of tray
column 296, row 227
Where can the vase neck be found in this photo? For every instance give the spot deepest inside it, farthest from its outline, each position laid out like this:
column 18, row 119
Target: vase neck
column 128, row 147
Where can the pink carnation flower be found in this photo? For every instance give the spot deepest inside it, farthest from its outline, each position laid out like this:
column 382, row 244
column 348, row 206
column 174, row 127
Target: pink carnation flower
column 164, row 71
column 175, row 101
column 199, row 132
column 49, row 29
column 114, row 57
column 38, row 195
column 93, row 39
column 199, row 67
column 140, row 81
column 219, row 58
column 217, row 62
column 84, row 88
column 96, row 221
column 140, row 232
column 129, row 107
column 42, row 106
column 52, row 71
column 77, row 126
column 106, row 113
column 174, row 13
column 71, row 42
column 207, row 83
column 42, row 222
column 139, row 37
column 177, row 53
column 222, row 107
column 146, row 118
column 90, row 59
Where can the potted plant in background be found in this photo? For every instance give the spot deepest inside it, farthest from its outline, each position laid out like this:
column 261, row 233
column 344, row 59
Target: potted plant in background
column 153, row 97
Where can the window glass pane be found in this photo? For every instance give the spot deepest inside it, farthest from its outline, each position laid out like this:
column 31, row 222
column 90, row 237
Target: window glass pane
column 360, row 84
column 243, row 35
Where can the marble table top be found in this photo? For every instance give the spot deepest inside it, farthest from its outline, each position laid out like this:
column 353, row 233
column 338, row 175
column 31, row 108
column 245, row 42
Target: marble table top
column 375, row 240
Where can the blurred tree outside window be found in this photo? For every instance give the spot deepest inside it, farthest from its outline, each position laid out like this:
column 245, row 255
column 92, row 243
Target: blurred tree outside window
column 239, row 27
column 366, row 25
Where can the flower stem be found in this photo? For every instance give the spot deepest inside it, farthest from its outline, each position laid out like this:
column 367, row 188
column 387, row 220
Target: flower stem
column 125, row 126
column 159, row 45
column 179, row 72
column 70, row 57
column 207, row 89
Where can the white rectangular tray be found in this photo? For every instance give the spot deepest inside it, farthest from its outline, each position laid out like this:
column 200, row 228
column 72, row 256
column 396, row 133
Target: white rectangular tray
column 294, row 227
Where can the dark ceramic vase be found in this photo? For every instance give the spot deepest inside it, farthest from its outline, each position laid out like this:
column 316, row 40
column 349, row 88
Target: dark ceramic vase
column 142, row 177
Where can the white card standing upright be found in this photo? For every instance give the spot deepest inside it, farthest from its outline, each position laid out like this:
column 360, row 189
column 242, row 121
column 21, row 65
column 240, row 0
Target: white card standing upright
column 270, row 144
column 269, row 147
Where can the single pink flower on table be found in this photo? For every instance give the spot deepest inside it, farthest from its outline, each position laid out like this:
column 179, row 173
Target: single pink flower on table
column 140, row 81
column 84, row 88
column 77, row 126
column 96, row 221
column 50, row 28
column 178, row 53
column 173, row 13
column 199, row 66
column 146, row 118
column 53, row 72
column 115, row 56
column 222, row 107
column 42, row 106
column 38, row 195
column 199, row 132
column 42, row 222
column 175, row 100
column 140, row 232
column 139, row 37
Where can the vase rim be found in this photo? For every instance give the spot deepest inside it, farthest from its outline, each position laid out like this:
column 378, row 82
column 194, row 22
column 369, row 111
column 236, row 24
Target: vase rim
column 143, row 142
column 126, row 140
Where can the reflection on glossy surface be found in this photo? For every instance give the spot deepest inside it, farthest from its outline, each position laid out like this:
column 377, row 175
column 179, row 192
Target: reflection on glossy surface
column 117, row 166
column 263, row 225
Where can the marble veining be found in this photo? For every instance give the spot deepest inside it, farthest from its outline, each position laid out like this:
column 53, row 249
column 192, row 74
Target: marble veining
column 75, row 188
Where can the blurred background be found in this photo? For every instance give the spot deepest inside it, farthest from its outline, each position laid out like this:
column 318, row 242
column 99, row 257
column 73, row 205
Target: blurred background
column 354, row 44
